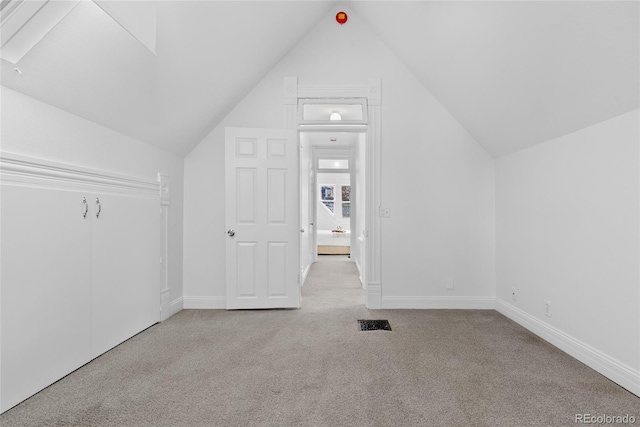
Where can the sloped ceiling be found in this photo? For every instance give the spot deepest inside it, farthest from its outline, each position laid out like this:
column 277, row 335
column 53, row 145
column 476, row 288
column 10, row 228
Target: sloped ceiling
column 210, row 54
column 514, row 74
column 518, row 73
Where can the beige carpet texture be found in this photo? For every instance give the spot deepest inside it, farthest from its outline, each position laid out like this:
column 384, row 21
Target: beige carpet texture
column 314, row 367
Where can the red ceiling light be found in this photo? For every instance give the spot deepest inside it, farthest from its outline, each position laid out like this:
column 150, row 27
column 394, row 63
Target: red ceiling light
column 341, row 18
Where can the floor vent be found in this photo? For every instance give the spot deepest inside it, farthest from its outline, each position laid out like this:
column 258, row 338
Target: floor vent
column 374, row 325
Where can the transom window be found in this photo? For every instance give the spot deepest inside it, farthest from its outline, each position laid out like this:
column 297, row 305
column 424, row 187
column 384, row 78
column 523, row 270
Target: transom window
column 349, row 111
column 333, row 163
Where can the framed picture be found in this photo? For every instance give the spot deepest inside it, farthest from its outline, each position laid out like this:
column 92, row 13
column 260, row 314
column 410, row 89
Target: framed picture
column 346, row 210
column 346, row 193
column 326, row 192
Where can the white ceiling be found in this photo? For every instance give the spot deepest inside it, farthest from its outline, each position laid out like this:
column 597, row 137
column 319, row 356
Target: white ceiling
column 210, row 54
column 518, row 73
column 513, row 73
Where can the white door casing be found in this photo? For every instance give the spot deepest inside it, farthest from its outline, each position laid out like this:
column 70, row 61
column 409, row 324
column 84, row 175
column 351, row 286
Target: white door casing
column 261, row 214
column 372, row 92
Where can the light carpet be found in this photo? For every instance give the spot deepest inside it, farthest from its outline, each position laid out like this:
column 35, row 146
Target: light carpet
column 313, row 367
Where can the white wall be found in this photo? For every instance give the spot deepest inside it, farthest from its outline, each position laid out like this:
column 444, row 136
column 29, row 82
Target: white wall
column 568, row 232
column 434, row 176
column 33, row 128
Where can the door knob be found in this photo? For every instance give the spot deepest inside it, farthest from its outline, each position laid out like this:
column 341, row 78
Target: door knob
column 231, row 232
column 302, row 230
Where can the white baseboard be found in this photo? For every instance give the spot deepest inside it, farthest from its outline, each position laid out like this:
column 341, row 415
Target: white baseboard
column 164, row 305
column 169, row 308
column 214, row 303
column 611, row 368
column 373, row 296
column 415, row 302
column 175, row 306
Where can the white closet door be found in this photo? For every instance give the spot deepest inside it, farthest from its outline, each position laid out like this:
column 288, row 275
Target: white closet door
column 46, row 289
column 126, row 268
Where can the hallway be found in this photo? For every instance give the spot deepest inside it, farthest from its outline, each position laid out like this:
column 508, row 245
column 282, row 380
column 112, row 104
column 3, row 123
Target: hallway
column 332, row 283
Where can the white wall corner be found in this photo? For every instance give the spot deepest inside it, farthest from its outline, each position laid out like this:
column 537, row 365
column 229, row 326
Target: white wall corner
column 175, row 306
column 205, row 303
column 616, row 371
column 436, row 302
column 169, row 308
column 374, row 296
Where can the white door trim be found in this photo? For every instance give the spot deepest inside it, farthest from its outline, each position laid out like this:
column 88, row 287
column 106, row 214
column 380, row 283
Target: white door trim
column 372, row 92
column 165, row 203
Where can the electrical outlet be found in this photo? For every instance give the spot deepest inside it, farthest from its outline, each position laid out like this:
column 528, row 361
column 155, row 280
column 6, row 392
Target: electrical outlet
column 547, row 308
column 449, row 282
column 514, row 294
column 385, row 212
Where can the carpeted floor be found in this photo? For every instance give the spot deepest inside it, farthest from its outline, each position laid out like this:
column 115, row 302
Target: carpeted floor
column 313, row 367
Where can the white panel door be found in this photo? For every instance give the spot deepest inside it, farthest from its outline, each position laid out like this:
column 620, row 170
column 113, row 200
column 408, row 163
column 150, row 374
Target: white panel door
column 126, row 269
column 262, row 249
column 46, row 289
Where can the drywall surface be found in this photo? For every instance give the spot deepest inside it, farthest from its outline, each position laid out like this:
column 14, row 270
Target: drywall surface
column 567, row 232
column 435, row 177
column 33, row 128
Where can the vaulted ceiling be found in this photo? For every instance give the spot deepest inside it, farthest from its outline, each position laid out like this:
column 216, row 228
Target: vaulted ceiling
column 514, row 74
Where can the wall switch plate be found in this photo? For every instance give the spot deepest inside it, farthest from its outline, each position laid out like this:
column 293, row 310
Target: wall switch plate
column 385, row 212
column 449, row 282
column 547, row 308
column 514, row 294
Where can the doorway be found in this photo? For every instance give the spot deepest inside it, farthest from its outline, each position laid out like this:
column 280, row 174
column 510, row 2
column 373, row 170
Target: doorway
column 333, row 197
column 369, row 95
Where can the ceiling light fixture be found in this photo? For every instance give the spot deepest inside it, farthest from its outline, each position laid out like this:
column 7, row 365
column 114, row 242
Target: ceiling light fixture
column 335, row 116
